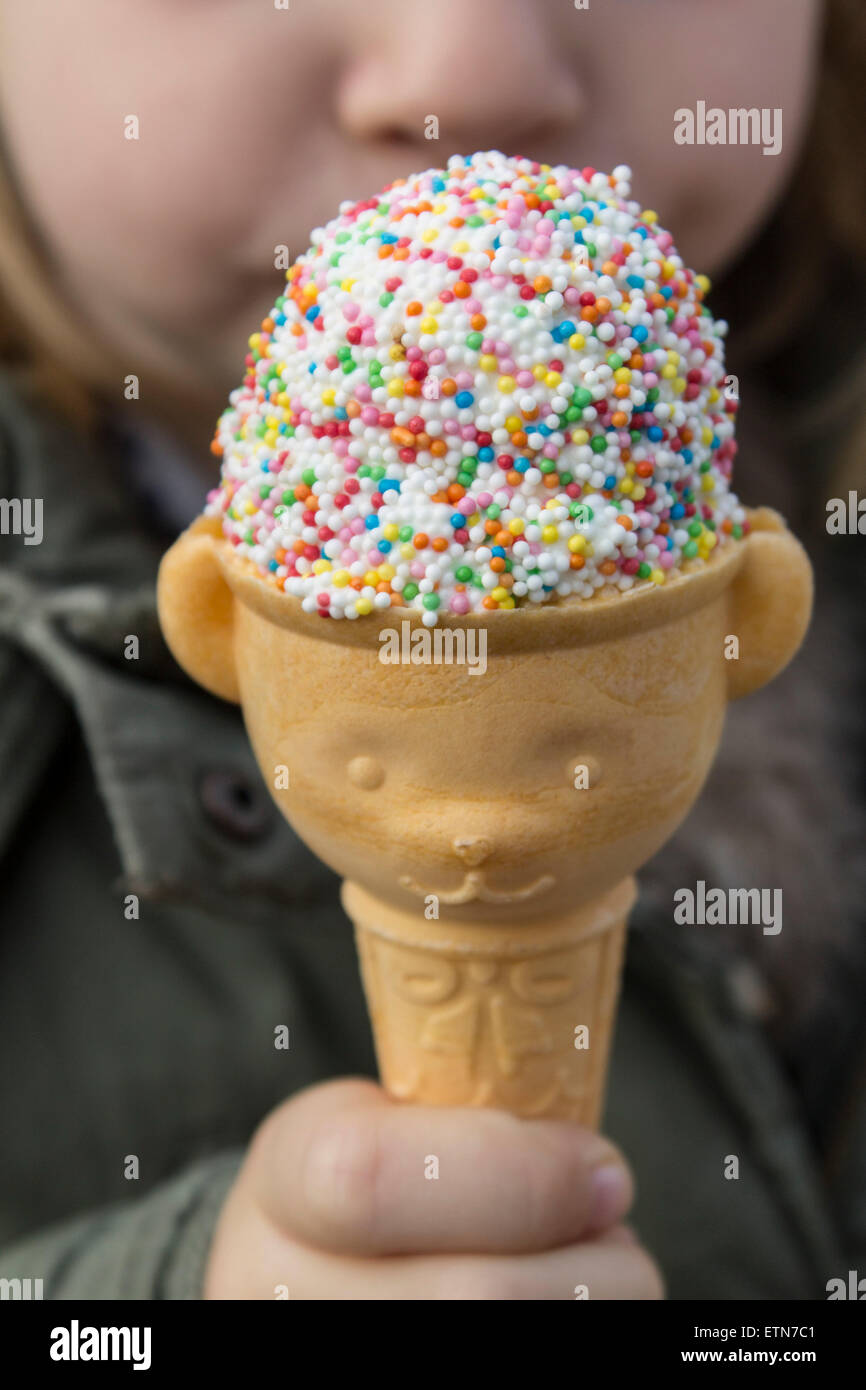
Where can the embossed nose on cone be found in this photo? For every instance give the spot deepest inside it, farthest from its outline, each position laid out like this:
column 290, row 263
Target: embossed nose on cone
column 471, row 850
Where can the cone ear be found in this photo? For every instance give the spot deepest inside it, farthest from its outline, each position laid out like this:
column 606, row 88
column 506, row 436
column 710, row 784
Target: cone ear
column 196, row 609
column 771, row 603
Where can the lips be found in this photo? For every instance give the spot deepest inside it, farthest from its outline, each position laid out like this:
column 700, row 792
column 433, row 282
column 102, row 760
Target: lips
column 475, row 889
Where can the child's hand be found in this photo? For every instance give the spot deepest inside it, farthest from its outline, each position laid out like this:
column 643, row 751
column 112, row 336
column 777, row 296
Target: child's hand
column 334, row 1201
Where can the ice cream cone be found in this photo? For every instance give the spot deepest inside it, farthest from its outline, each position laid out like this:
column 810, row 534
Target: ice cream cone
column 488, row 823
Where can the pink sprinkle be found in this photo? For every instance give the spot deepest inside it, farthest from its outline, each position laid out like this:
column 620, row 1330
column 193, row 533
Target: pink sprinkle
column 459, row 604
column 351, row 312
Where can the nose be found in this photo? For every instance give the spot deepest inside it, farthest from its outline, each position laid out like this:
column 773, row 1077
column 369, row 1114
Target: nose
column 472, row 850
column 491, row 73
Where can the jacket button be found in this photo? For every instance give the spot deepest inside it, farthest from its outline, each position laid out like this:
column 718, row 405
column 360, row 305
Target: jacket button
column 235, row 804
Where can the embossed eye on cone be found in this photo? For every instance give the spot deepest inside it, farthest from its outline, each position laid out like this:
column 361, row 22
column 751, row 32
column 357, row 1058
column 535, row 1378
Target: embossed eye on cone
column 489, row 891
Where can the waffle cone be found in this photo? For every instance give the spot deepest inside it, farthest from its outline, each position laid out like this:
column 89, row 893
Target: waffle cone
column 492, row 1016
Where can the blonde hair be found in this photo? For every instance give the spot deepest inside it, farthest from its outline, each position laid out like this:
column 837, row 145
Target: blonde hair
column 41, row 341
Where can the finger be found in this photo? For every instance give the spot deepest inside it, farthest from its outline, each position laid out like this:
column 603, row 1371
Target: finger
column 344, row 1168
column 602, row 1269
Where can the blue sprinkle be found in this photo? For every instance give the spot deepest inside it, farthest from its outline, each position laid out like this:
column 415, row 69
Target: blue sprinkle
column 637, row 282
column 273, row 565
column 498, row 550
column 463, row 399
column 522, row 465
column 458, row 519
column 340, row 413
column 655, row 433
column 610, row 482
column 388, row 237
column 485, row 455
column 640, row 334
column 715, row 442
column 439, row 185
column 686, row 455
column 372, row 523
column 389, row 485
column 677, row 510
column 312, row 314
column 383, row 546
column 667, row 292
column 312, row 367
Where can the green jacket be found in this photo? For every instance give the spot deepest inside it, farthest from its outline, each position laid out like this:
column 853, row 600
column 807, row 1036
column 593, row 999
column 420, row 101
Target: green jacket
column 151, row 1037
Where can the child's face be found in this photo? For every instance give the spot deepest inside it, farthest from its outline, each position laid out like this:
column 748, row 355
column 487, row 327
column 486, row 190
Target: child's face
column 255, row 122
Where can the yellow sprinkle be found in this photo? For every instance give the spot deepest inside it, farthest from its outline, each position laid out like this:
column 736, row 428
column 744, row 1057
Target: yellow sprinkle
column 668, row 269
column 622, row 375
column 649, row 216
column 517, row 526
column 341, row 579
column 513, row 424
column 386, row 572
column 552, row 379
column 321, row 566
column 539, row 372
column 371, row 579
column 706, row 435
column 626, row 486
column 712, row 539
column 680, row 385
column 507, row 602
column 459, row 247
column 703, row 283
column 639, row 492
column 249, row 509
column 499, row 594
column 254, row 340
column 707, row 483
column 395, row 387
column 506, row 384
column 580, row 437
column 577, row 544
column 391, row 531
column 487, row 363
column 396, row 352
column 364, row 606
column 576, row 341
column 329, row 395
column 407, row 551
column 429, row 325
column 435, row 306
column 658, row 576
column 430, row 234
column 630, row 467
column 713, row 396
column 549, row 533
column 669, row 371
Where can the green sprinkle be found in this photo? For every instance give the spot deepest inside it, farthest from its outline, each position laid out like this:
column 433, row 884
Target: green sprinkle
column 410, row 590
column 581, row 397
column 598, row 444
column 386, row 299
column 695, row 528
column 521, row 311
column 309, row 476
column 406, row 533
column 644, row 570
column 690, row 549
column 463, row 573
column 431, row 601
column 474, row 341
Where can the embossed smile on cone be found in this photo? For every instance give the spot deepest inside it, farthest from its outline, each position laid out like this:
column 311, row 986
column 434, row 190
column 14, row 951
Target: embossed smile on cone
column 488, row 828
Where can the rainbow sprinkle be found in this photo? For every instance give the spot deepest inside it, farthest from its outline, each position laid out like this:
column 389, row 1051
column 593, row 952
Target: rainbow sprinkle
column 493, row 384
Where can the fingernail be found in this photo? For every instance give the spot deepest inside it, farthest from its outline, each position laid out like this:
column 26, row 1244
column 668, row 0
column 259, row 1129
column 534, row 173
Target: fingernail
column 611, row 1190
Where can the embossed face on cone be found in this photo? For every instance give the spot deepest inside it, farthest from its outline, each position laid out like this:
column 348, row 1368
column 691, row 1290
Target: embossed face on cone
column 505, row 795
column 500, row 794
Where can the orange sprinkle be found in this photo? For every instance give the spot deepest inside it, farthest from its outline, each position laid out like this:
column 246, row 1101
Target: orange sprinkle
column 440, row 543
column 602, row 304
column 478, row 321
column 421, row 540
column 438, row 448
column 449, row 387
column 608, row 567
column 455, row 492
column 576, row 562
column 644, row 469
column 514, row 479
column 462, row 290
column 488, row 602
column 551, row 480
column 414, row 308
